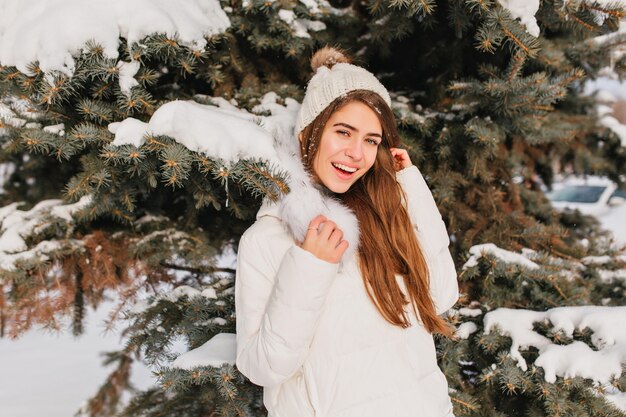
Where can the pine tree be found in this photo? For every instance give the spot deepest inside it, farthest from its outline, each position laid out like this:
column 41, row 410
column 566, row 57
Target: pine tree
column 485, row 100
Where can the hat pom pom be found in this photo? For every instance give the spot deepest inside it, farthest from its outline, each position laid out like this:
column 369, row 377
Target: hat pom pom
column 327, row 57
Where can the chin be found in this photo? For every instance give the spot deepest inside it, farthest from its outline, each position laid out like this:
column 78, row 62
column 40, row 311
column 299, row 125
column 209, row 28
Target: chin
column 337, row 188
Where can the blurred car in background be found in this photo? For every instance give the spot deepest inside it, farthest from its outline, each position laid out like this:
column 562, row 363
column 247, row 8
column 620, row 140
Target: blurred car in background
column 596, row 196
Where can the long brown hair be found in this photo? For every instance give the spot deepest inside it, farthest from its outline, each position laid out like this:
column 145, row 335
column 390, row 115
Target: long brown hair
column 388, row 245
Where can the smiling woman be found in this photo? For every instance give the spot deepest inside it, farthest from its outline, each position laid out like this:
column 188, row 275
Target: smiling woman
column 338, row 333
column 348, row 146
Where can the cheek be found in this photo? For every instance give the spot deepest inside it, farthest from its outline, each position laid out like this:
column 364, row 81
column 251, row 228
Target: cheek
column 317, row 166
column 372, row 157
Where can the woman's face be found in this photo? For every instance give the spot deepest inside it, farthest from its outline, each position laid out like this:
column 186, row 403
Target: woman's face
column 348, row 146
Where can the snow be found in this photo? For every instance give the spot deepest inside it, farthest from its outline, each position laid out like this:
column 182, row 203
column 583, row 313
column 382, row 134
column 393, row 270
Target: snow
column 609, row 276
column 300, row 26
column 128, row 132
column 221, row 349
column 219, row 133
column 66, row 211
column 174, row 295
column 576, row 358
column 55, row 129
column 281, row 121
column 53, row 31
column 6, row 170
column 470, row 312
column 616, row 397
column 524, row 10
column 45, row 374
column 8, row 117
column 615, row 125
column 466, row 329
column 615, row 221
column 605, row 97
column 616, row 52
column 180, row 292
column 219, row 130
column 603, row 259
column 478, row 251
column 312, row 5
column 150, row 218
column 127, row 71
column 209, row 293
column 18, row 224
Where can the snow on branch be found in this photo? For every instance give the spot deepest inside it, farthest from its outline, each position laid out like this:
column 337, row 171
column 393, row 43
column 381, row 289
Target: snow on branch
column 201, row 128
column 16, row 225
column 605, row 110
column 602, row 260
column 173, row 296
column 478, row 251
column 577, row 358
column 51, row 32
column 221, row 349
column 525, row 11
column 300, row 27
column 220, row 131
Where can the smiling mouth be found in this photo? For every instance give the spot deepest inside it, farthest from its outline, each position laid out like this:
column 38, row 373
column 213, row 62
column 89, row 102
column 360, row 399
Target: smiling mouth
column 344, row 173
column 346, row 170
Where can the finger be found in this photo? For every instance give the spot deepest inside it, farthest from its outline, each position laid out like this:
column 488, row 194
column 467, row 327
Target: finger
column 401, row 154
column 314, row 225
column 328, row 227
column 335, row 237
column 341, row 248
column 317, row 220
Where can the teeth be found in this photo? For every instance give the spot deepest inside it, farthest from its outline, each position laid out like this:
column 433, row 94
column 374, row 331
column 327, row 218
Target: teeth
column 345, row 168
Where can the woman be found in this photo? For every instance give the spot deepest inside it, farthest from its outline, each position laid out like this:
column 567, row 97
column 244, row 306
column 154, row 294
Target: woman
column 335, row 316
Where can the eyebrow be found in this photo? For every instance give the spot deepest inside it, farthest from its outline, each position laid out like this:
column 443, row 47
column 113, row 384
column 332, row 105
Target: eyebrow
column 356, row 130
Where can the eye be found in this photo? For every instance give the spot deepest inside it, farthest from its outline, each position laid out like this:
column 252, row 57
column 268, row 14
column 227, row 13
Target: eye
column 372, row 141
column 343, row 132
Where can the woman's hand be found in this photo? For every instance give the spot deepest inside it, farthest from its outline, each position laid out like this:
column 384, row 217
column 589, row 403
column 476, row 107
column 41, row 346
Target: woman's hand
column 401, row 158
column 324, row 240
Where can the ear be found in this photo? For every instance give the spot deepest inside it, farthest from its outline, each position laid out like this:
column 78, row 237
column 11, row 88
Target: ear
column 300, row 137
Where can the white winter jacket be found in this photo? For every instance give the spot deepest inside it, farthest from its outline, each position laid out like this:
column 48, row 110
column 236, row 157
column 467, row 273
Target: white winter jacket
column 309, row 334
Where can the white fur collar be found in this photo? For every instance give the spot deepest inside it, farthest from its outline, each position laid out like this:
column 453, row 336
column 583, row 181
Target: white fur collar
column 305, row 201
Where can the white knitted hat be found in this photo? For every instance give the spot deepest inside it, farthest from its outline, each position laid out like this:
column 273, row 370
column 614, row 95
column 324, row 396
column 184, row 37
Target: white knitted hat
column 334, row 76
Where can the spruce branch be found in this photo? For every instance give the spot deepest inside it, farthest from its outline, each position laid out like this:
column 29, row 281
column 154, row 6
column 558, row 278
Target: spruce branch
column 176, row 164
column 259, row 179
column 514, row 33
column 96, row 111
column 487, row 39
column 413, row 7
column 480, row 6
column 587, row 26
column 106, row 400
column 102, row 90
column 147, row 77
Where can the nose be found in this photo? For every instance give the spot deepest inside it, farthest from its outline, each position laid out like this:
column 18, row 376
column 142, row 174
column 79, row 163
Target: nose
column 354, row 150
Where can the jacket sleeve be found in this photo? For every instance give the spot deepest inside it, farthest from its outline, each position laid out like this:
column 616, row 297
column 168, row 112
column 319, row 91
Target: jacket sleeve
column 278, row 308
column 433, row 238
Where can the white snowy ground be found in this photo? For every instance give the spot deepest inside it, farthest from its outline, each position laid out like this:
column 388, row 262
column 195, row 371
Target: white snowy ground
column 45, row 374
column 51, row 375
column 615, row 221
